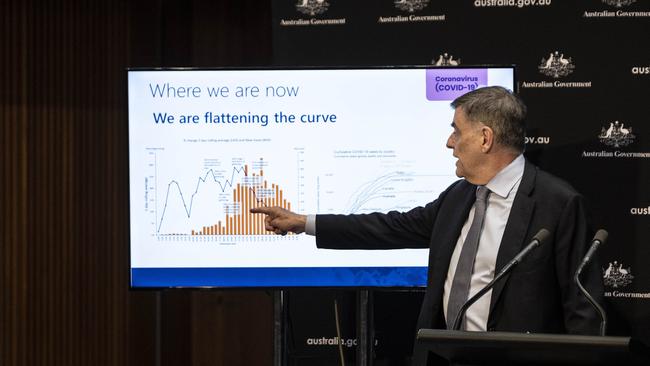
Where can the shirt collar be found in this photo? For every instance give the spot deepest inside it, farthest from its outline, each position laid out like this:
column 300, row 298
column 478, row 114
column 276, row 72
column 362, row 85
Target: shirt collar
column 503, row 183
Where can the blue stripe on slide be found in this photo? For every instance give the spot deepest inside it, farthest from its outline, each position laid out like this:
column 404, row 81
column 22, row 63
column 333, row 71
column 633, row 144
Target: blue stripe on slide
column 280, row 277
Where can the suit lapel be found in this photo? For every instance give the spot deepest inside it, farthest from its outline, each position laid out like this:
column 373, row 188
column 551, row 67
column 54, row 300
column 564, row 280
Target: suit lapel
column 516, row 228
column 445, row 235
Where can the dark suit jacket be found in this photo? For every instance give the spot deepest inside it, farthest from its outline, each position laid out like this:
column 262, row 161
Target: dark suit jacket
column 539, row 296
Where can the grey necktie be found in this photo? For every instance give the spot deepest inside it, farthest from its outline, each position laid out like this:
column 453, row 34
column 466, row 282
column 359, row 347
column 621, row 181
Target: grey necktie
column 460, row 286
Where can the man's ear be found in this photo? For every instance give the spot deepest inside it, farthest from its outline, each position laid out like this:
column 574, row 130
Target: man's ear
column 487, row 139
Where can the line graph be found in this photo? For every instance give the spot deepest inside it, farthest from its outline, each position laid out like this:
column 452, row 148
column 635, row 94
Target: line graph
column 188, row 208
column 393, row 190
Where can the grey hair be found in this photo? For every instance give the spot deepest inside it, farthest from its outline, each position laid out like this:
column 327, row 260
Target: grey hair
column 499, row 109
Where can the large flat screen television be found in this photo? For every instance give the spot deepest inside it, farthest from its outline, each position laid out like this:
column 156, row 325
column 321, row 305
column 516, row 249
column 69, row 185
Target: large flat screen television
column 207, row 145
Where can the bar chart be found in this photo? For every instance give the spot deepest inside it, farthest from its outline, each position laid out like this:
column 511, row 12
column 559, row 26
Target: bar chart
column 217, row 202
column 254, row 192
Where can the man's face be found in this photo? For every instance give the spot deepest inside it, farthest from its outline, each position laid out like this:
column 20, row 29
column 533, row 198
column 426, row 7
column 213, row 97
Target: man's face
column 466, row 141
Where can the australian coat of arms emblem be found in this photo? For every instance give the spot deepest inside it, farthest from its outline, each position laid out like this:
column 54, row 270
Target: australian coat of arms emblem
column 556, row 65
column 616, row 276
column 616, row 135
column 312, row 7
column 619, row 3
column 411, row 5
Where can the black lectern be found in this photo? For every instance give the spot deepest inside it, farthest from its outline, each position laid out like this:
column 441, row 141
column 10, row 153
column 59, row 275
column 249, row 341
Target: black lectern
column 504, row 348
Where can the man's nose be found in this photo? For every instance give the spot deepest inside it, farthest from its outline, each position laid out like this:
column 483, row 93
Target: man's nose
column 450, row 142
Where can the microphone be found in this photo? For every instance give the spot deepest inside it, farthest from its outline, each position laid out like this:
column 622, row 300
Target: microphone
column 599, row 238
column 537, row 240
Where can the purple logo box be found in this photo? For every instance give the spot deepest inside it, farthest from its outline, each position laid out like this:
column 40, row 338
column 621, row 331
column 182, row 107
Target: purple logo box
column 449, row 84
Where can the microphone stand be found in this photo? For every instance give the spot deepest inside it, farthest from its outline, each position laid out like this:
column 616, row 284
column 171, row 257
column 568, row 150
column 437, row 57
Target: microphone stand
column 478, row 295
column 599, row 309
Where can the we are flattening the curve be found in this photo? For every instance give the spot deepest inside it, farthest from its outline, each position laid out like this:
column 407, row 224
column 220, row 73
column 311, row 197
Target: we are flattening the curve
column 263, row 119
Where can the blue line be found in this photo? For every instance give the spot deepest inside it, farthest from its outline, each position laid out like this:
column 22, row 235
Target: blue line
column 188, row 212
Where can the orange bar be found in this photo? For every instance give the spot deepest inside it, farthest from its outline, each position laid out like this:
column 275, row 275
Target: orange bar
column 261, row 173
column 242, row 207
column 265, row 184
column 288, row 206
column 219, row 228
column 193, row 233
column 242, row 210
column 280, row 197
column 254, row 203
column 256, row 218
column 249, row 197
column 256, row 224
column 227, row 224
column 249, row 215
column 276, row 202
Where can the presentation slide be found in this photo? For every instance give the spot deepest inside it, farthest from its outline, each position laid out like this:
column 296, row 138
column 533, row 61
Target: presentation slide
column 206, row 146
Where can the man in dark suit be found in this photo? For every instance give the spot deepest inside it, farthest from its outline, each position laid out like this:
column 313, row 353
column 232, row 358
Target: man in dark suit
column 477, row 225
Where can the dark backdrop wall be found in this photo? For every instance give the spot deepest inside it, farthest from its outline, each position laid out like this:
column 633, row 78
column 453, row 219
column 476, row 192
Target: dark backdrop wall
column 64, row 180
